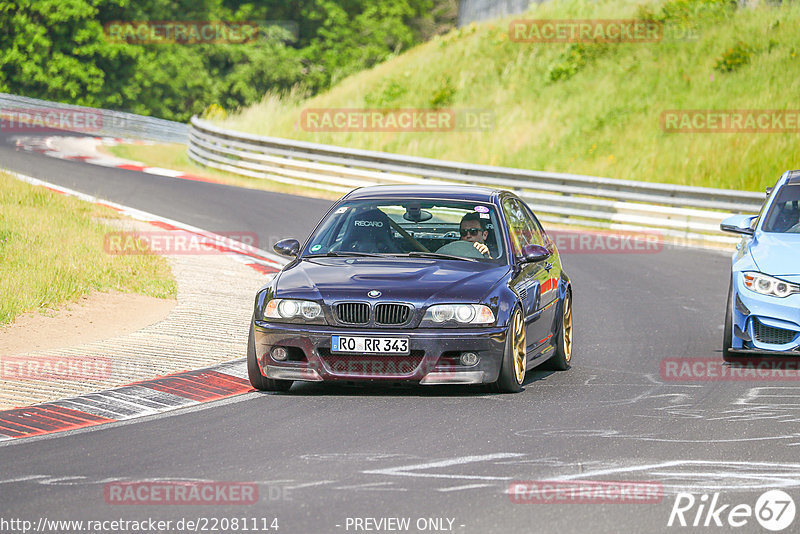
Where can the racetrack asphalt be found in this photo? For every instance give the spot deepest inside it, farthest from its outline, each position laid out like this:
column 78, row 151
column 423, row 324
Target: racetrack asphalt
column 326, row 456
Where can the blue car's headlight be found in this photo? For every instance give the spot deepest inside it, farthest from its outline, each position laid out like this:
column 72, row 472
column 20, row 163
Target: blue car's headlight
column 458, row 315
column 293, row 310
column 768, row 285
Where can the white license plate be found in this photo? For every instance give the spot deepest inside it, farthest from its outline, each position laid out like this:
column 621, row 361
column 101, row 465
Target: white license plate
column 373, row 345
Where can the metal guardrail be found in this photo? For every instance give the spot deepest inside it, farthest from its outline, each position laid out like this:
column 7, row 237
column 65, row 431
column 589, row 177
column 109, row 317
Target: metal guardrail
column 478, row 10
column 680, row 212
column 110, row 124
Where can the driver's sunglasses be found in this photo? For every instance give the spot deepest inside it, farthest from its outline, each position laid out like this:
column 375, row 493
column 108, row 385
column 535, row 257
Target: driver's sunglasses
column 470, row 231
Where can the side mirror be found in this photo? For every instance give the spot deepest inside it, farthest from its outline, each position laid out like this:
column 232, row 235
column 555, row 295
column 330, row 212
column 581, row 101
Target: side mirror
column 287, row 247
column 738, row 224
column 534, row 253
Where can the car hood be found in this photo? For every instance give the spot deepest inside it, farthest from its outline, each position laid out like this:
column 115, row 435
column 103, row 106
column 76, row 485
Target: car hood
column 777, row 254
column 401, row 279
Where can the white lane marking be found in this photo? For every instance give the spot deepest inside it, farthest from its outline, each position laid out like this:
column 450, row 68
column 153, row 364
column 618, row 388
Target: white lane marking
column 372, row 486
column 614, row 434
column 102, row 162
column 310, row 484
column 765, row 393
column 60, row 481
column 21, row 479
column 687, row 472
column 50, row 480
column 163, row 172
column 714, row 440
column 406, row 470
column 460, row 488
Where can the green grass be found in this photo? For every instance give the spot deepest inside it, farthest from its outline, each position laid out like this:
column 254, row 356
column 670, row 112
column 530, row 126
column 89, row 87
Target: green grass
column 51, row 252
column 590, row 109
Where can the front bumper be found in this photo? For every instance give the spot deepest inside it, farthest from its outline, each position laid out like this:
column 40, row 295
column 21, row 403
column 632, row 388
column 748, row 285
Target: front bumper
column 433, row 357
column 762, row 323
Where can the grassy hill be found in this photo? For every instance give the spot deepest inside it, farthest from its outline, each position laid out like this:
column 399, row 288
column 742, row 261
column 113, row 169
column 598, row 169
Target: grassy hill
column 585, row 108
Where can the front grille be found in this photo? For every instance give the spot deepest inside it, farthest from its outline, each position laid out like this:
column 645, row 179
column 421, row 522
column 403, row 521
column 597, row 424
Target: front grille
column 772, row 335
column 392, row 313
column 371, row 365
column 353, row 312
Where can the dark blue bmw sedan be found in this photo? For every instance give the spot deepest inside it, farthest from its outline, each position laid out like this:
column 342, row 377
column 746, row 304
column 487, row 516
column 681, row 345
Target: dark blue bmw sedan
column 415, row 284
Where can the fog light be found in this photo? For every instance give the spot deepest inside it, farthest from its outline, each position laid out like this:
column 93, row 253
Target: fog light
column 280, row 354
column 468, row 359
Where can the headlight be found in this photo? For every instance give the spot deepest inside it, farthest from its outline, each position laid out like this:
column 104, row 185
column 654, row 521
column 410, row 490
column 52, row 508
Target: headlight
column 293, row 310
column 767, row 285
column 458, row 314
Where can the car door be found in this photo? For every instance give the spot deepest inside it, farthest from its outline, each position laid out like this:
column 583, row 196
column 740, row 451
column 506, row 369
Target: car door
column 530, row 277
column 548, row 275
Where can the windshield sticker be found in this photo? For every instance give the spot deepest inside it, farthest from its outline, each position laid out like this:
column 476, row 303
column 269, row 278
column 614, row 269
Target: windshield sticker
column 481, row 209
column 316, row 248
column 484, row 215
column 342, row 209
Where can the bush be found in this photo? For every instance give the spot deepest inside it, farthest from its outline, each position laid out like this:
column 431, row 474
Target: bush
column 389, row 93
column 444, row 94
column 574, row 59
column 734, row 58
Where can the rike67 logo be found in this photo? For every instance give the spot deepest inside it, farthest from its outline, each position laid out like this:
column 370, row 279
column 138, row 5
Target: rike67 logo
column 774, row 510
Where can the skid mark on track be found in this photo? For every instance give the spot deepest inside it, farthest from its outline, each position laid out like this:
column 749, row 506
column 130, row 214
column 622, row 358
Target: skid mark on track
column 462, row 488
column 704, row 475
column 414, row 469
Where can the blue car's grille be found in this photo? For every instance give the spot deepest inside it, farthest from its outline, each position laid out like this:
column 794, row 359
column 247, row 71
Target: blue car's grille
column 772, row 335
column 353, row 312
column 392, row 313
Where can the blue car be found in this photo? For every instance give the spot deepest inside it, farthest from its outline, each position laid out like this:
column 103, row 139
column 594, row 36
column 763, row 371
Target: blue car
column 418, row 285
column 763, row 311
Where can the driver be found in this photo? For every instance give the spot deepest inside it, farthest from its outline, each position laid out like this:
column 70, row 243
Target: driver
column 473, row 229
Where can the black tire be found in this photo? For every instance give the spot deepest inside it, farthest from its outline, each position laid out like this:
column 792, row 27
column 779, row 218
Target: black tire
column 258, row 380
column 561, row 358
column 727, row 331
column 510, row 379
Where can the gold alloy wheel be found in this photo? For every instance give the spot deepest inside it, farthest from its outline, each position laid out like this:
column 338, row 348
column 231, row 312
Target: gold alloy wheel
column 518, row 346
column 566, row 327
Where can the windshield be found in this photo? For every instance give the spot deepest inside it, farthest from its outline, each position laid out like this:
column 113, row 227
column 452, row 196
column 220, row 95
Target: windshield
column 784, row 214
column 458, row 229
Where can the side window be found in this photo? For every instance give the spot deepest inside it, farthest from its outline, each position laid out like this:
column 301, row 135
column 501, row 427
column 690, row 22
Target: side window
column 524, row 229
column 517, row 225
column 540, row 237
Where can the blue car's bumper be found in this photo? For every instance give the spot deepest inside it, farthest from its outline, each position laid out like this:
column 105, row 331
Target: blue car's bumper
column 764, row 323
column 433, row 357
